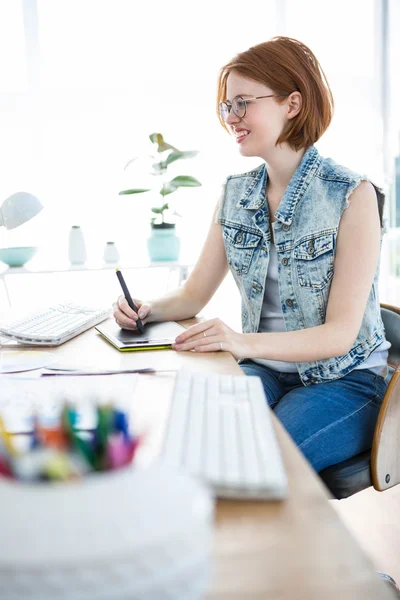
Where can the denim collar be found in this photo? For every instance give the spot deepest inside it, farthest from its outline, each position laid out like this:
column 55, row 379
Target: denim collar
column 254, row 196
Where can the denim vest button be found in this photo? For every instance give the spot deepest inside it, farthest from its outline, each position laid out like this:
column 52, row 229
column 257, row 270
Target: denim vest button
column 239, row 238
column 289, row 302
column 285, row 227
column 284, row 261
column 310, row 250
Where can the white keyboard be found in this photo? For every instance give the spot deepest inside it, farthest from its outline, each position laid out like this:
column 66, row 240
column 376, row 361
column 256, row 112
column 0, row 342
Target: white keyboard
column 54, row 325
column 220, row 429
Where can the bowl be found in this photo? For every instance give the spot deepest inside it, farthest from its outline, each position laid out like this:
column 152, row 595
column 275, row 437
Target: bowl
column 17, row 257
column 129, row 533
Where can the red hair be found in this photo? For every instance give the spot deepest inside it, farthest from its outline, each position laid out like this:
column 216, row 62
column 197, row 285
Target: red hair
column 286, row 65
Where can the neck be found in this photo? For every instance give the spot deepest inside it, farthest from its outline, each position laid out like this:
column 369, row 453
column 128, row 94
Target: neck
column 281, row 164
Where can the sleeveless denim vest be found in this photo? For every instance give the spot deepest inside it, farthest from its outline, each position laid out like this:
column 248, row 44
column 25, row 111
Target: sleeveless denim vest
column 305, row 235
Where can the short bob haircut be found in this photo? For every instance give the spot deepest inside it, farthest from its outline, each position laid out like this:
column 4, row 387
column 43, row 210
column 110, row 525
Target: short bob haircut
column 286, row 65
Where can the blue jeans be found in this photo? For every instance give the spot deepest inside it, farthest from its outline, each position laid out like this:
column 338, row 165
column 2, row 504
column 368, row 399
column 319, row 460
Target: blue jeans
column 329, row 422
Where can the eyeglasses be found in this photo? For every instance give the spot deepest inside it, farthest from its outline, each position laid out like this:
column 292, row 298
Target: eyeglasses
column 239, row 105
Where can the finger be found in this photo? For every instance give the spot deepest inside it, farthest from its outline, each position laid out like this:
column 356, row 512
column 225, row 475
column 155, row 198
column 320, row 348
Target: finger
column 122, row 319
column 144, row 311
column 121, row 316
column 215, row 347
column 199, row 343
column 125, row 308
column 201, row 337
column 126, row 323
column 199, row 328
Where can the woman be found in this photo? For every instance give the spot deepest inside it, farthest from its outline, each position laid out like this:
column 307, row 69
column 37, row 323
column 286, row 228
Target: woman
column 301, row 235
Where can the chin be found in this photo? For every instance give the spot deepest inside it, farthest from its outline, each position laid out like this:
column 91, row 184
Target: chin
column 246, row 151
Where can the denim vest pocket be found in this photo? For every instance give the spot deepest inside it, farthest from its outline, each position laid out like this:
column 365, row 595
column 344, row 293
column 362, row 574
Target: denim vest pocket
column 239, row 246
column 314, row 259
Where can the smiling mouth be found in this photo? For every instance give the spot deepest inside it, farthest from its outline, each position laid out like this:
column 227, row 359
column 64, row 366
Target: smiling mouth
column 241, row 135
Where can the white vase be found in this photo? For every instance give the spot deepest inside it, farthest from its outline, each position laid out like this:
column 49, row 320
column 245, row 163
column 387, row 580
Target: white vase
column 76, row 246
column 111, row 254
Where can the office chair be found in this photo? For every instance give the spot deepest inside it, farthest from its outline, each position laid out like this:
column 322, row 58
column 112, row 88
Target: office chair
column 379, row 466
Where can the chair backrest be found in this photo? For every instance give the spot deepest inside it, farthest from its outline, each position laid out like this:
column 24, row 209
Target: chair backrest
column 391, row 320
column 385, row 455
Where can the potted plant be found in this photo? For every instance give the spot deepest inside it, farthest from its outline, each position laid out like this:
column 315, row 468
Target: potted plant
column 163, row 243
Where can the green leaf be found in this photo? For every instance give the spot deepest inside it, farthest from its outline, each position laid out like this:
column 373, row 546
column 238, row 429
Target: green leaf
column 135, row 191
column 168, row 188
column 160, row 210
column 158, row 139
column 178, row 155
column 184, row 181
column 172, row 157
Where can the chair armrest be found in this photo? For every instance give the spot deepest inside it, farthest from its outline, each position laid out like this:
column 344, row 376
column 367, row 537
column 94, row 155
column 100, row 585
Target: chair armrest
column 385, row 455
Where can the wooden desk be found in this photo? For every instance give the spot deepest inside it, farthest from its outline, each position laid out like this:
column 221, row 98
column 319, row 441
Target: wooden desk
column 293, row 550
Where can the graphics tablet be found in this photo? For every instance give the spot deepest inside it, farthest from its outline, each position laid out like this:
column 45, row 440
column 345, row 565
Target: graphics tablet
column 156, row 336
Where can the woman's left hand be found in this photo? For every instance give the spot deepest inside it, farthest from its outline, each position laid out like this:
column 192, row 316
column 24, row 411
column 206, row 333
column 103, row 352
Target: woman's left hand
column 213, row 336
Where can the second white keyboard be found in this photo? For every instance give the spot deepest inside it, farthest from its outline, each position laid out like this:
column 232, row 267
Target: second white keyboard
column 220, row 429
column 54, row 325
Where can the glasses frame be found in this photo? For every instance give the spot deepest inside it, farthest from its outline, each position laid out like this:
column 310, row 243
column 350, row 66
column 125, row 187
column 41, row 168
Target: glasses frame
column 245, row 101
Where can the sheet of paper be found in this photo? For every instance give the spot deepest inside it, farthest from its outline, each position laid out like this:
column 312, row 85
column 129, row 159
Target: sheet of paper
column 16, row 361
column 22, row 397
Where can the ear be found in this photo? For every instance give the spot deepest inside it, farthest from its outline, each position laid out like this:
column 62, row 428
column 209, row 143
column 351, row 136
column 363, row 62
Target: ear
column 294, row 103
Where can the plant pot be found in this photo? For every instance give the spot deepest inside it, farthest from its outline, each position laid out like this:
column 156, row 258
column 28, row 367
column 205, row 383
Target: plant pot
column 163, row 243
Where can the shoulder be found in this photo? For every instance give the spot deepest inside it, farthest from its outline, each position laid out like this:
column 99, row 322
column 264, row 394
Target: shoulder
column 362, row 198
column 357, row 185
column 332, row 171
column 365, row 190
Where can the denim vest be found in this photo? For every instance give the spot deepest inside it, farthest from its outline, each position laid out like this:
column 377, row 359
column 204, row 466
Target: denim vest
column 305, row 236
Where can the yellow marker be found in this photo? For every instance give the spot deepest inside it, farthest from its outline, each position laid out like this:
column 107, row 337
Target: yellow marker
column 7, row 441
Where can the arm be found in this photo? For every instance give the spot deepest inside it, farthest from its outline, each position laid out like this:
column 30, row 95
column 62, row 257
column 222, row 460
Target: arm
column 207, row 275
column 188, row 300
column 357, row 253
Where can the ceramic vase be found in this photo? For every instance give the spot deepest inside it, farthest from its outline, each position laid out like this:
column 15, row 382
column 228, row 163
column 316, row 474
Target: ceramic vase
column 76, row 246
column 111, row 254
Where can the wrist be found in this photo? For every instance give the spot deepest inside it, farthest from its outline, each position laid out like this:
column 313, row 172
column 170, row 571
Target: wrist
column 251, row 345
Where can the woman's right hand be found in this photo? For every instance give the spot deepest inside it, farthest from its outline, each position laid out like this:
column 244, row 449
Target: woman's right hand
column 125, row 317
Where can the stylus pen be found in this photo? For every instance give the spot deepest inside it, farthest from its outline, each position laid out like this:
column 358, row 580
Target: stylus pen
column 129, row 300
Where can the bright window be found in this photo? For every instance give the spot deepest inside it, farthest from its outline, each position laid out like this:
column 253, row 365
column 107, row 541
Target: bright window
column 112, row 72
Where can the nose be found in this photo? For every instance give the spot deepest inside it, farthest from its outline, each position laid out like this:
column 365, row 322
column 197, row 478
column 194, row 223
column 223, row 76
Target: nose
column 232, row 118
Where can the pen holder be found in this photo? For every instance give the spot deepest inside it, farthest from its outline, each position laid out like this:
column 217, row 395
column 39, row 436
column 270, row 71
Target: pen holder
column 140, row 534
